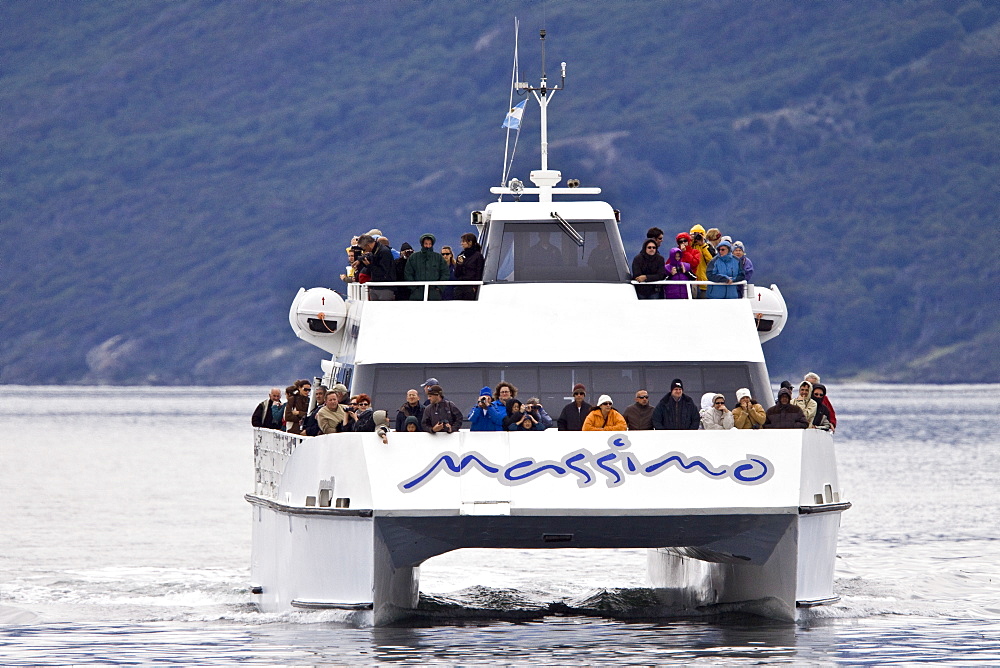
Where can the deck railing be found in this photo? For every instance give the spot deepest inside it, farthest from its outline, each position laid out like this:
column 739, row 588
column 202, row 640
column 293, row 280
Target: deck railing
column 359, row 291
column 747, row 294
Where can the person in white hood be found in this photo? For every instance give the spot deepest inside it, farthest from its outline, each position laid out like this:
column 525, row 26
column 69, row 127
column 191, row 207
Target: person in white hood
column 714, row 414
column 805, row 401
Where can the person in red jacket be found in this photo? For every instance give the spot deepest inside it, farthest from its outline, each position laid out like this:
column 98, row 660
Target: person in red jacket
column 689, row 253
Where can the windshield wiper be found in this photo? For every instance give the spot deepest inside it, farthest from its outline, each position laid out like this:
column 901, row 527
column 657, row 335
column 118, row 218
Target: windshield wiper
column 568, row 229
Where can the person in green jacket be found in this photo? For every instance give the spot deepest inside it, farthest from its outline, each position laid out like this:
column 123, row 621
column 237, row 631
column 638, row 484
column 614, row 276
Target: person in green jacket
column 426, row 265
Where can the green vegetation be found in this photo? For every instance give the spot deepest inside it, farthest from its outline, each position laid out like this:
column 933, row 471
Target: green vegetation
column 172, row 172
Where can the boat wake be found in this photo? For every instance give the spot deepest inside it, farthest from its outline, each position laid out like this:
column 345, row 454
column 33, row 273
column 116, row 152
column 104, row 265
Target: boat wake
column 149, row 595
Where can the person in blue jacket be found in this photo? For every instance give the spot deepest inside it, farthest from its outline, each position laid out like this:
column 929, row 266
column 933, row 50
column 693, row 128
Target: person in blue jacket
column 487, row 415
column 724, row 269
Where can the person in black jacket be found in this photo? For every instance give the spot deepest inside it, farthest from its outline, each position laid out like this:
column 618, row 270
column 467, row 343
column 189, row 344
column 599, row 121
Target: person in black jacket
column 264, row 415
column 381, row 268
column 440, row 414
column 469, row 267
column 405, row 251
column 676, row 410
column 411, row 408
column 785, row 414
column 648, row 266
column 573, row 414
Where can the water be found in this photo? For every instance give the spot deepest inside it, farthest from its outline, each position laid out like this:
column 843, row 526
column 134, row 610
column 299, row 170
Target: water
column 126, row 539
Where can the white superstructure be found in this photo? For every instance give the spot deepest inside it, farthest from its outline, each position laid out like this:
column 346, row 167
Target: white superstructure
column 343, row 521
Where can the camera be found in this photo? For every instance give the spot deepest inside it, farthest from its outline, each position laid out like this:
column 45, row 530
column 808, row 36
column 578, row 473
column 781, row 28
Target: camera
column 484, row 399
column 698, row 236
column 367, row 258
column 356, row 252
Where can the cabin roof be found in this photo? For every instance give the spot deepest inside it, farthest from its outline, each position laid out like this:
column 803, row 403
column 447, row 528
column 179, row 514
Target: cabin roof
column 533, row 211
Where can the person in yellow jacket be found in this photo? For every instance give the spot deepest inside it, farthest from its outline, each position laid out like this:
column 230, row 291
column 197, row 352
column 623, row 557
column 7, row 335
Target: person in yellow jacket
column 748, row 414
column 603, row 417
column 700, row 245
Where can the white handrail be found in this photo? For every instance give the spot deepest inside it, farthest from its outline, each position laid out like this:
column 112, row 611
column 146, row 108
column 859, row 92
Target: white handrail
column 359, row 291
column 746, row 293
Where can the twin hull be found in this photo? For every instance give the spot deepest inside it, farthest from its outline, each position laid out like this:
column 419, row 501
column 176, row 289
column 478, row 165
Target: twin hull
column 343, row 521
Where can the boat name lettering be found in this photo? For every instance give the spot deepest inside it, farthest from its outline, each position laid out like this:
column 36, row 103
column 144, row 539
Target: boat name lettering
column 613, row 465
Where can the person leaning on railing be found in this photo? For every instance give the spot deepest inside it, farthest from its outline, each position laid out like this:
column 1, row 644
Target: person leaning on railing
column 725, row 270
column 647, row 267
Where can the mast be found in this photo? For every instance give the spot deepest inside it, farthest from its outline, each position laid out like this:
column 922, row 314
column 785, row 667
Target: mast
column 545, row 179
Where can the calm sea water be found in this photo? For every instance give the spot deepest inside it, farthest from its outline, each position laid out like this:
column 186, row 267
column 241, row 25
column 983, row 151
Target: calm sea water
column 124, row 538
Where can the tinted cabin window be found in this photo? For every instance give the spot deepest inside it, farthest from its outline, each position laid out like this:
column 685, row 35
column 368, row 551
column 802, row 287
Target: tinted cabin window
column 544, row 252
column 552, row 383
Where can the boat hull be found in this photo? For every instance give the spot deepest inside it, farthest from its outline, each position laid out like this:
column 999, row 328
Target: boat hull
column 343, row 522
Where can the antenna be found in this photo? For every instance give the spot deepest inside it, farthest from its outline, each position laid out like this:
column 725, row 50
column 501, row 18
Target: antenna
column 545, row 179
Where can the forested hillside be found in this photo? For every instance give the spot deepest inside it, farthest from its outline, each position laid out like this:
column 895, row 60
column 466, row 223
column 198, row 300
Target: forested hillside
column 173, row 172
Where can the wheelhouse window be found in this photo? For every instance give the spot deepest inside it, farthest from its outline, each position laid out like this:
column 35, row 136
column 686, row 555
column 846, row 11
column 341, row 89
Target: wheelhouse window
column 548, row 251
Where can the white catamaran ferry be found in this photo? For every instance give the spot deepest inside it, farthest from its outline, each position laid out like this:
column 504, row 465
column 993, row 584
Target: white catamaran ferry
column 343, row 521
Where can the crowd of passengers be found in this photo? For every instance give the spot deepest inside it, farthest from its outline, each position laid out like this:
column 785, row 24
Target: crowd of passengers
column 372, row 259
column 499, row 409
column 699, row 255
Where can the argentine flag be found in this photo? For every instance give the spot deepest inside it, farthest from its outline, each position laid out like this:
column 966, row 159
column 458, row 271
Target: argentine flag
column 513, row 120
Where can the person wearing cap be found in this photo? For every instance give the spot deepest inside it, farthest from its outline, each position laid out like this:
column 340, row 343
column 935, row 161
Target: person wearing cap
column 604, row 417
column 411, row 424
column 440, row 415
column 676, row 410
column 748, row 413
column 639, row 416
column 716, row 415
column 426, row 386
column 381, row 268
column 487, row 414
column 341, row 391
column 785, row 414
column 574, row 413
column 410, row 408
column 746, row 266
column 469, row 266
column 426, row 265
column 700, row 246
column 724, row 270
